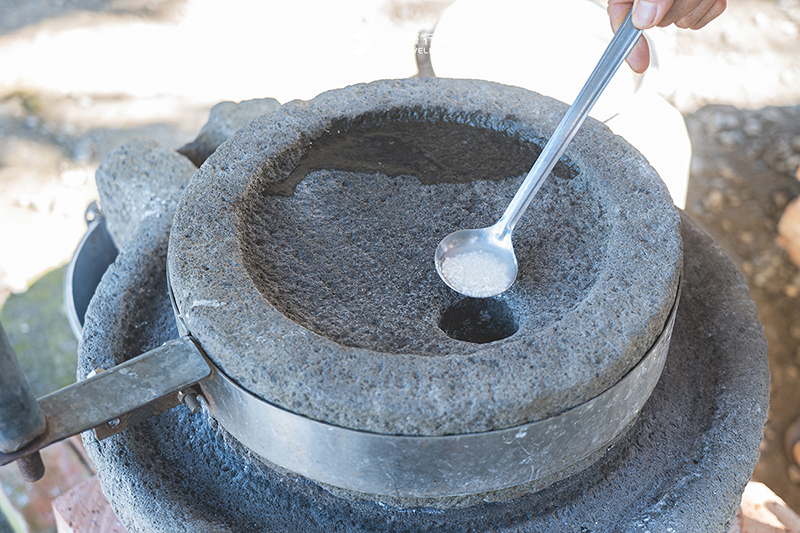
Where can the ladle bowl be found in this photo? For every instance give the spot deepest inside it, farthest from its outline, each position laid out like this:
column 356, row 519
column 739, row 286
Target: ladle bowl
column 477, row 262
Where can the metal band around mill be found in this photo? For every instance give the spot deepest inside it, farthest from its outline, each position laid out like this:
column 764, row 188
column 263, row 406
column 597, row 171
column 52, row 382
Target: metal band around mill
column 435, row 466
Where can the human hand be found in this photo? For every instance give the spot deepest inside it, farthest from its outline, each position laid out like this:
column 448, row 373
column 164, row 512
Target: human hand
column 687, row 14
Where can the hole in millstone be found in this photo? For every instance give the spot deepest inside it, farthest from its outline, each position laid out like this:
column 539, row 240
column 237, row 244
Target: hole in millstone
column 479, row 320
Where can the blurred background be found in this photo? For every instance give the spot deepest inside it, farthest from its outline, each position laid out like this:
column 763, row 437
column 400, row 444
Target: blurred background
column 78, row 78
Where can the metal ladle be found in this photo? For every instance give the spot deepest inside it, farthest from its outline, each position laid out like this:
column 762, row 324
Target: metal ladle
column 481, row 262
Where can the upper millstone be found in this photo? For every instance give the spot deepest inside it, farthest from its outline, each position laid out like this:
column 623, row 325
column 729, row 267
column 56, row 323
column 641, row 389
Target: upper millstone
column 301, row 257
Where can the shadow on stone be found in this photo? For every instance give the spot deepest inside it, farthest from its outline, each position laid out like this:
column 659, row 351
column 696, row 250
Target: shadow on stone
column 479, row 320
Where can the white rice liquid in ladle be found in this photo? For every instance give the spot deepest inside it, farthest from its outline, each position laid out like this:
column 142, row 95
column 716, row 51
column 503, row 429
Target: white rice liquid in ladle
column 476, row 273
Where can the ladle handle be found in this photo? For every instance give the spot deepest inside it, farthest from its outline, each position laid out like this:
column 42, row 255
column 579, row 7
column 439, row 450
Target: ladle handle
column 618, row 49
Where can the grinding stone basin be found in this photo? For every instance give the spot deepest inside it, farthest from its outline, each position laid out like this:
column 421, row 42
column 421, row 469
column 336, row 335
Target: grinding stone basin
column 301, row 259
column 681, row 466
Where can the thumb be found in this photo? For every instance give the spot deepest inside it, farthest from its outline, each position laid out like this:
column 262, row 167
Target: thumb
column 648, row 13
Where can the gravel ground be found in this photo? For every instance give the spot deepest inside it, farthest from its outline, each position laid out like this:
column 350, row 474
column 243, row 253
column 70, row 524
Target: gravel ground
column 740, row 183
column 737, row 82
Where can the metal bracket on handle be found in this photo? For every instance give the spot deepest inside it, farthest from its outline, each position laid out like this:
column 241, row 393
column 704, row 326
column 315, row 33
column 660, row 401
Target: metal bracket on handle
column 118, row 397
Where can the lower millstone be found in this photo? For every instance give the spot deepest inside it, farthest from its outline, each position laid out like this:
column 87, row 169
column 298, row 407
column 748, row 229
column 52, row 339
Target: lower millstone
column 703, row 424
column 709, row 407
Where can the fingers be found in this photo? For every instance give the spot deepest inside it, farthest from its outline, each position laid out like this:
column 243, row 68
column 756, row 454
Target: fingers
column 689, row 14
column 716, row 9
column 646, row 13
column 617, row 11
column 693, row 14
column 639, row 58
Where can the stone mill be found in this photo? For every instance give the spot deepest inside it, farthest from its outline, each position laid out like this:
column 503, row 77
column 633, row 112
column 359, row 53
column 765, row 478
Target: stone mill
column 621, row 384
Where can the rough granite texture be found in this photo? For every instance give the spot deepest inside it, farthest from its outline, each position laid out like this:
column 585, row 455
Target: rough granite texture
column 325, row 301
column 681, row 467
column 140, row 179
column 223, row 121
